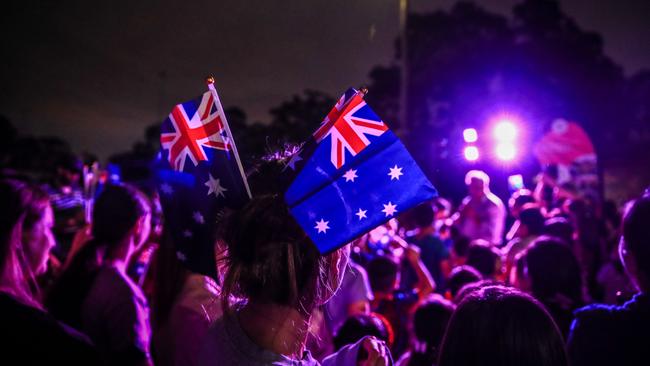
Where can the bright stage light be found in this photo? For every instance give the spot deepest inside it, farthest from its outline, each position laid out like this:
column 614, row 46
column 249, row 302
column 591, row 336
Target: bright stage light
column 506, row 151
column 471, row 153
column 505, row 130
column 470, row 135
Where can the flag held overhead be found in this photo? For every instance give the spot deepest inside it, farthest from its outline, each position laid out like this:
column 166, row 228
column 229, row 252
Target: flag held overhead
column 355, row 175
column 198, row 174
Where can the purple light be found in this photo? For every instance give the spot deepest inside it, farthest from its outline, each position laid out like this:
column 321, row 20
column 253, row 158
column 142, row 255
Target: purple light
column 506, row 151
column 471, row 153
column 470, row 135
column 505, row 130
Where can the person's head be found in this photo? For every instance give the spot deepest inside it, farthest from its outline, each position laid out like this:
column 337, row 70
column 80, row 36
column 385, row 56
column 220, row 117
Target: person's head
column 441, row 207
column 121, row 212
column 120, row 224
column 459, row 248
column 634, row 246
column 477, row 182
column 531, row 221
column 383, row 274
column 68, row 170
column 429, row 323
column 559, row 227
column 26, row 237
column 361, row 325
column 269, row 258
column 549, row 270
column 518, row 199
column 420, row 216
column 424, row 215
column 461, row 276
column 473, row 286
column 501, row 326
column 484, row 257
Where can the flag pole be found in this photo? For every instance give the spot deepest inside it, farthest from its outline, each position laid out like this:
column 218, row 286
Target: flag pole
column 210, row 81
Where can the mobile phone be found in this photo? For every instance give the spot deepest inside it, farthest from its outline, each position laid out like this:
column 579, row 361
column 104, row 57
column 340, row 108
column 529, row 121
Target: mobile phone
column 515, row 182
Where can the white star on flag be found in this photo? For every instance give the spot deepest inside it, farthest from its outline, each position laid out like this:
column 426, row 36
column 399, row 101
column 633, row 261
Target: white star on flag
column 395, row 172
column 215, row 187
column 181, row 257
column 362, row 214
column 350, row 175
column 389, row 209
column 198, row 217
column 166, row 188
column 292, row 162
column 187, row 234
column 322, row 226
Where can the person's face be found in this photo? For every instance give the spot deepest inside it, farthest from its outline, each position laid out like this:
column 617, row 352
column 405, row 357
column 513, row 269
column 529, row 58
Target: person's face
column 628, row 262
column 476, row 188
column 145, row 229
column 38, row 242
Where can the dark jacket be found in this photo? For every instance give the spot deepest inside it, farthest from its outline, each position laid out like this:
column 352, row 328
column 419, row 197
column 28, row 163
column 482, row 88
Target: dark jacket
column 612, row 335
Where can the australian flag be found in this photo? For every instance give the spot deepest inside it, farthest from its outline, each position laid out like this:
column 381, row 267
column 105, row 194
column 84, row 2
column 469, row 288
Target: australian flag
column 353, row 176
column 198, row 175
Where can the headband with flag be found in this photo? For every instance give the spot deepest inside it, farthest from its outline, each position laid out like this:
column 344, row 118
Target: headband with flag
column 198, row 174
column 354, row 175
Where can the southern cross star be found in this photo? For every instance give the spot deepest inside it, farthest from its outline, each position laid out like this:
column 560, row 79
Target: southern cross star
column 214, row 186
column 395, row 172
column 350, row 175
column 389, row 209
column 322, row 226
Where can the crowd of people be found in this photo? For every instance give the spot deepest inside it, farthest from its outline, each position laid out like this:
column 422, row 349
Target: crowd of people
column 544, row 280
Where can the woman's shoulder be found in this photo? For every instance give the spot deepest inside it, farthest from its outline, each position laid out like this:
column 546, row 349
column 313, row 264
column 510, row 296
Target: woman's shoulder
column 30, row 328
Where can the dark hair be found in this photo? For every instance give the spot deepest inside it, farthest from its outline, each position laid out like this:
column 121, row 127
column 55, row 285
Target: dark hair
column 429, row 323
column 473, row 286
column 483, row 256
column 531, row 216
column 423, row 215
column 115, row 213
column 382, row 273
column 461, row 245
column 555, row 278
column 559, row 227
column 553, row 270
column 636, row 233
column 22, row 206
column 269, row 257
column 361, row 325
column 461, row 276
column 500, row 326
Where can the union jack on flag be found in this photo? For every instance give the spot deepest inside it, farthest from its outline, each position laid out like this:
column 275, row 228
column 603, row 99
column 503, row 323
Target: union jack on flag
column 194, row 130
column 353, row 175
column 198, row 174
column 348, row 126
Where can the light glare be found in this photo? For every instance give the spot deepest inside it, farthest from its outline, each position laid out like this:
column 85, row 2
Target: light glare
column 471, row 153
column 505, row 131
column 506, row 151
column 470, row 135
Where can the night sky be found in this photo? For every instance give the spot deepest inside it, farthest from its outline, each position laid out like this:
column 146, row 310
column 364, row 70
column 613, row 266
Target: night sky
column 96, row 73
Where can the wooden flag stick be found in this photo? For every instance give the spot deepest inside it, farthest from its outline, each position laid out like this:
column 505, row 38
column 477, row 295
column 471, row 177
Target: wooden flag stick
column 210, row 81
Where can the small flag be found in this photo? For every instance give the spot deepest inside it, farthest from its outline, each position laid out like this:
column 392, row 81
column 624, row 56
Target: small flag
column 198, row 174
column 353, row 176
